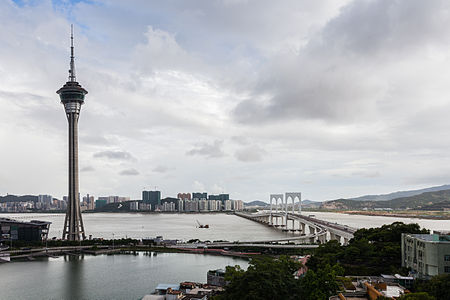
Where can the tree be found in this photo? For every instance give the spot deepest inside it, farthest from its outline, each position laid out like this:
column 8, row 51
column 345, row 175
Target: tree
column 268, row 278
column 371, row 251
column 438, row 286
column 417, row 296
column 265, row 278
column 320, row 284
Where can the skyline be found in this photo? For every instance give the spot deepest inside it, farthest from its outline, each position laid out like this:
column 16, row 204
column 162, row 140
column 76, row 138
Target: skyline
column 335, row 99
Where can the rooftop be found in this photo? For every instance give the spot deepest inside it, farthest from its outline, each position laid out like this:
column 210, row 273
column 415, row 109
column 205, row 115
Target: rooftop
column 165, row 286
column 443, row 238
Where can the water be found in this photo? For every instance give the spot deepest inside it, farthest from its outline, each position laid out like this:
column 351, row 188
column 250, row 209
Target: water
column 222, row 226
column 362, row 221
column 131, row 277
column 104, row 277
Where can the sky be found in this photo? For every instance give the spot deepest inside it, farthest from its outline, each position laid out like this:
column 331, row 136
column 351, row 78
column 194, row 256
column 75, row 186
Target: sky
column 247, row 97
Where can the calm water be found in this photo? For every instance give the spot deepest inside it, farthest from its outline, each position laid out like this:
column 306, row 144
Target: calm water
column 222, row 226
column 131, row 277
column 104, row 277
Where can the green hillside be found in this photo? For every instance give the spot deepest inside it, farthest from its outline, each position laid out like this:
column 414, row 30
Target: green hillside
column 438, row 200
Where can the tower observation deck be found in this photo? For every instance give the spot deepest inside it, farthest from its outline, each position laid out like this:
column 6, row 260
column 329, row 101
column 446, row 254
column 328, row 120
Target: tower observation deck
column 72, row 97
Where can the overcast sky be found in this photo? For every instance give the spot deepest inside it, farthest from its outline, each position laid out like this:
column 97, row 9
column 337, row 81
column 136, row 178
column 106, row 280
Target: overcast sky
column 247, row 97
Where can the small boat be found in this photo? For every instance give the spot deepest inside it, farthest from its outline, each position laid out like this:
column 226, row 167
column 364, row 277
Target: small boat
column 201, row 225
column 5, row 257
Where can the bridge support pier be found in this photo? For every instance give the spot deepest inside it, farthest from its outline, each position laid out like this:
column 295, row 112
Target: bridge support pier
column 338, row 238
column 302, row 227
column 322, row 239
column 345, row 241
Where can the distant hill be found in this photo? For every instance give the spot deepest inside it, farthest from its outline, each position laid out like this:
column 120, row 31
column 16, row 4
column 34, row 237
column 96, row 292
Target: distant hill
column 400, row 194
column 256, row 203
column 444, row 206
column 14, row 198
column 421, row 201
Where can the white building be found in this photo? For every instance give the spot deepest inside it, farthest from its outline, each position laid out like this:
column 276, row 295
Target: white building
column 180, row 205
column 426, row 254
column 168, row 206
column 134, row 205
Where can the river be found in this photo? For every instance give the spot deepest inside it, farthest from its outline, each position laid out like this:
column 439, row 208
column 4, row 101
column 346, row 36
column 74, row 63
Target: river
column 221, row 226
column 105, row 276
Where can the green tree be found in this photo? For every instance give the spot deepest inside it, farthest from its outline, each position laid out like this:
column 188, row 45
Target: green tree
column 438, row 286
column 265, row 278
column 268, row 278
column 320, row 284
column 371, row 252
column 417, row 296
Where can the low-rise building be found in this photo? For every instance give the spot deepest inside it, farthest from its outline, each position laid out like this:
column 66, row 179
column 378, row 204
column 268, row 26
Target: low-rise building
column 216, row 277
column 13, row 230
column 426, row 254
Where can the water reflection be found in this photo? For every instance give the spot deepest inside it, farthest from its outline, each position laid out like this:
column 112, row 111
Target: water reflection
column 123, row 276
column 72, row 281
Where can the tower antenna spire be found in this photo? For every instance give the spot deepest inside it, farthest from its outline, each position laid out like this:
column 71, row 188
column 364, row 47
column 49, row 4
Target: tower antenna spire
column 72, row 76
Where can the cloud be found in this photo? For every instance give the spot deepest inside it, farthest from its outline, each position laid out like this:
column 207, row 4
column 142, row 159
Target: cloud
column 250, row 154
column 87, row 169
column 161, row 169
column 114, row 155
column 198, row 186
column 129, row 172
column 213, row 150
column 349, row 69
column 330, row 83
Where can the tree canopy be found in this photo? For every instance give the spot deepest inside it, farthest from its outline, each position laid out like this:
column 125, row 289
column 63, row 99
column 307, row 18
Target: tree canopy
column 273, row 278
column 371, row 252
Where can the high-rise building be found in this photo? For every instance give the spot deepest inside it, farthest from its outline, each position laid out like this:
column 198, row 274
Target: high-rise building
column 153, row 198
column 181, row 205
column 227, row 205
column 114, row 199
column 72, row 97
column 134, row 205
column 88, row 202
column 191, row 205
column 45, row 199
column 221, row 197
column 184, row 196
column 203, row 205
column 100, row 203
column 199, row 196
column 168, row 206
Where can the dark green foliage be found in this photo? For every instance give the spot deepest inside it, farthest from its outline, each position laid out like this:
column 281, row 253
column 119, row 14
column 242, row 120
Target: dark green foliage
column 371, row 252
column 320, row 284
column 265, row 278
column 417, row 296
column 438, row 286
column 268, row 278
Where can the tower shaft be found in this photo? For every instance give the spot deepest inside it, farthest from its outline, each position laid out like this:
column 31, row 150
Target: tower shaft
column 73, row 224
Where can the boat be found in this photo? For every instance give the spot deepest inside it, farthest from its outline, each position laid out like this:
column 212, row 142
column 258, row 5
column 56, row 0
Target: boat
column 201, row 225
column 4, row 257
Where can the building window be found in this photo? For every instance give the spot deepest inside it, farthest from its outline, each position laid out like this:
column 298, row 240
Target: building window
column 447, row 257
column 447, row 269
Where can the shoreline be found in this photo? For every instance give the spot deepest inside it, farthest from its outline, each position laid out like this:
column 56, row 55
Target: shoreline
column 127, row 251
